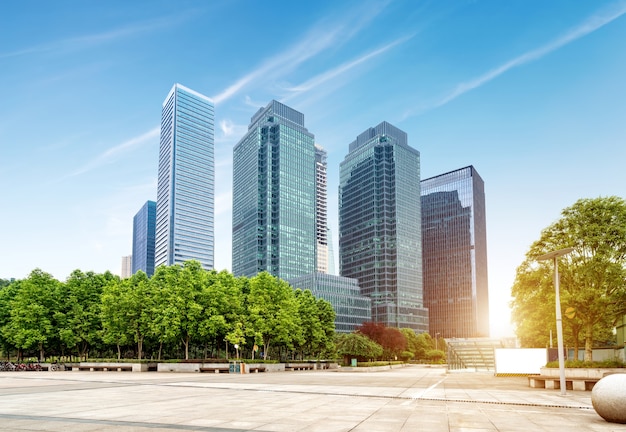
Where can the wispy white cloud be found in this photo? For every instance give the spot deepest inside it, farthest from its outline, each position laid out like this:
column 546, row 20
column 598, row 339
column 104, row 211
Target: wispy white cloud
column 591, row 24
column 249, row 102
column 341, row 69
column 91, row 40
column 228, row 133
column 228, row 128
column 320, row 38
column 117, row 150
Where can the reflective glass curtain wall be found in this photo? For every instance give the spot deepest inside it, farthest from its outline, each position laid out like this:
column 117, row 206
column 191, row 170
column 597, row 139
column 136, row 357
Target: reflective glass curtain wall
column 379, row 228
column 455, row 254
column 274, row 196
column 351, row 308
column 144, row 230
column 186, row 183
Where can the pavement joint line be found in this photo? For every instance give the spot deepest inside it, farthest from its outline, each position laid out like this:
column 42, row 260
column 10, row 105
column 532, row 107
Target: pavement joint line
column 424, row 392
column 121, row 383
column 121, row 423
column 528, row 404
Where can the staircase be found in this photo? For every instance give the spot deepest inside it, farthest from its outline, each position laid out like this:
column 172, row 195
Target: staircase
column 477, row 354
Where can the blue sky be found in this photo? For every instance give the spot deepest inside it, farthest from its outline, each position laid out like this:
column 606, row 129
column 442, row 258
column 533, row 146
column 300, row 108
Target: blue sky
column 529, row 92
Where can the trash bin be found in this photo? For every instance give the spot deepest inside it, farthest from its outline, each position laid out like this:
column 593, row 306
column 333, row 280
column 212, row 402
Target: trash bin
column 353, row 364
column 234, row 367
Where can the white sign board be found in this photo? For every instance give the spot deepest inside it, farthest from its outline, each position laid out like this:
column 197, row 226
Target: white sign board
column 520, row 360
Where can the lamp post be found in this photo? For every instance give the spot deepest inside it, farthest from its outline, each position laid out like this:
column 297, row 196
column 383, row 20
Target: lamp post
column 559, row 322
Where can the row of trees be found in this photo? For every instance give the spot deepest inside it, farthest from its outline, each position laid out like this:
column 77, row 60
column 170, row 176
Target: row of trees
column 375, row 341
column 592, row 277
column 179, row 308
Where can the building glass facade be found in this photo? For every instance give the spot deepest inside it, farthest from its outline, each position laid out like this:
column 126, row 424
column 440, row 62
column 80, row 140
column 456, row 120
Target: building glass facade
column 126, row 266
column 274, row 196
column 455, row 254
column 186, row 183
column 321, row 209
column 144, row 234
column 351, row 308
column 379, row 228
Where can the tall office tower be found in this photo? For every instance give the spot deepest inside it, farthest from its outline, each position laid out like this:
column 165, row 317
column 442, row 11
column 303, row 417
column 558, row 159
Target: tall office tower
column 186, row 184
column 351, row 308
column 126, row 266
column 331, row 254
column 321, row 210
column 454, row 242
column 144, row 230
column 274, row 195
column 379, row 225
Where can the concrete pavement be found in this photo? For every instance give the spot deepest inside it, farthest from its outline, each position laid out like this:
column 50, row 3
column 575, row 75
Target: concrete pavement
column 413, row 398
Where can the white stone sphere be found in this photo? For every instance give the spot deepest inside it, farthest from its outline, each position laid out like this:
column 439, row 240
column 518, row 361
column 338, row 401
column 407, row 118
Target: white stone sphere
column 608, row 398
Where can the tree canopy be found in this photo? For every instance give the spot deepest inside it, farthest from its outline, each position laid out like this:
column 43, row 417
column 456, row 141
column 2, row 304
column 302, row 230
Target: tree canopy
column 184, row 309
column 592, row 276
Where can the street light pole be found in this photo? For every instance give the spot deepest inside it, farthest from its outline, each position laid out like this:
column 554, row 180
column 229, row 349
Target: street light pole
column 559, row 321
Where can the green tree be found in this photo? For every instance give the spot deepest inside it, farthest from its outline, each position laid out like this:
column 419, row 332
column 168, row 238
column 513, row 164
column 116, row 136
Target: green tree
column 272, row 312
column 326, row 316
column 312, row 333
column 7, row 292
column 222, row 304
column 78, row 318
column 178, row 309
column 412, row 341
column 592, row 276
column 356, row 345
column 115, row 314
column 127, row 311
column 423, row 344
column 31, row 310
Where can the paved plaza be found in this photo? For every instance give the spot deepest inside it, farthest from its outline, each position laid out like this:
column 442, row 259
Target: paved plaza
column 407, row 399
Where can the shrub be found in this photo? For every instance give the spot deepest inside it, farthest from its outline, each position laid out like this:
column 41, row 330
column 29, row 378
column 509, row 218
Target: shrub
column 580, row 364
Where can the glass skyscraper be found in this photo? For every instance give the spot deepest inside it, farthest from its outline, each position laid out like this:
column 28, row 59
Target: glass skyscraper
column 455, row 254
column 351, row 308
column 274, row 193
column 186, row 184
column 380, row 240
column 144, row 234
column 321, row 210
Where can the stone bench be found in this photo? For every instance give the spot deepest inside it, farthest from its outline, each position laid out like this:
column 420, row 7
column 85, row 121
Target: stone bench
column 299, row 366
column 128, row 368
column 215, row 369
column 550, row 382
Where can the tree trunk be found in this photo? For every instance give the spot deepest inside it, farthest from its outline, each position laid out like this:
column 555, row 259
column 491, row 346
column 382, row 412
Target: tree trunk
column 589, row 343
column 139, row 347
column 186, row 344
column 266, row 348
column 119, row 352
column 160, row 349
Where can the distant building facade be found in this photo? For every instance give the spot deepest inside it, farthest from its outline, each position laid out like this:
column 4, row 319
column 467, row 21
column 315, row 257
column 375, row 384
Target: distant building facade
column 321, row 210
column 274, row 196
column 331, row 254
column 351, row 308
column 454, row 241
column 127, row 264
column 186, row 180
column 379, row 225
column 144, row 235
